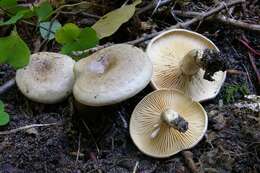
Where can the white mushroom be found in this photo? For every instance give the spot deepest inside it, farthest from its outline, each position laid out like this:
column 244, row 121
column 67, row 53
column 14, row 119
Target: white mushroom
column 166, row 122
column 48, row 78
column 186, row 61
column 111, row 75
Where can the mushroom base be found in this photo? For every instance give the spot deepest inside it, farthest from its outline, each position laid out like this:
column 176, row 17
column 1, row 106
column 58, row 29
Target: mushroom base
column 213, row 61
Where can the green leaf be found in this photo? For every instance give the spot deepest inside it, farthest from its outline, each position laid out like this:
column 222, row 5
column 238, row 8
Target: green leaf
column 86, row 39
column 68, row 33
column 48, row 29
column 19, row 15
column 110, row 22
column 7, row 3
column 14, row 51
column 4, row 117
column 11, row 7
column 44, row 11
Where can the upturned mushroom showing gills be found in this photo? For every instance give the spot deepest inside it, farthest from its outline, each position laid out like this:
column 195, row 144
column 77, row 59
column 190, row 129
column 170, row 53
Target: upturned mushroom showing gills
column 111, row 75
column 166, row 122
column 48, row 78
column 187, row 61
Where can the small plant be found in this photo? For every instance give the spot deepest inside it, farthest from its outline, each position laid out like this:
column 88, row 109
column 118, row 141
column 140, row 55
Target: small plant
column 74, row 38
column 4, row 117
column 231, row 91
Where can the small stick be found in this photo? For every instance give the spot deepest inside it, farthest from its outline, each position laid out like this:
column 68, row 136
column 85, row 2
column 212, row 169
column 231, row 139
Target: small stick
column 221, row 18
column 178, row 25
column 248, row 77
column 26, row 128
column 6, row 86
column 78, row 152
column 188, row 157
column 233, row 71
column 152, row 5
column 189, row 22
column 136, row 166
column 249, row 47
column 252, row 61
column 91, row 135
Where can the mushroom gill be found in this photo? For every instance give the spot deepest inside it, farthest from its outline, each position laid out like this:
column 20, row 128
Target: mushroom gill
column 156, row 138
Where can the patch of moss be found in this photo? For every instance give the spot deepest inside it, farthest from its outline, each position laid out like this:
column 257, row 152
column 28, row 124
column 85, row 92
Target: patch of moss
column 232, row 91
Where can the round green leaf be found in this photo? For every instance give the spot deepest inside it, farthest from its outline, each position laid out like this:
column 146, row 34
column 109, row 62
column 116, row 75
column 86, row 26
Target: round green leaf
column 68, row 33
column 14, row 51
column 86, row 39
column 4, row 118
column 44, row 11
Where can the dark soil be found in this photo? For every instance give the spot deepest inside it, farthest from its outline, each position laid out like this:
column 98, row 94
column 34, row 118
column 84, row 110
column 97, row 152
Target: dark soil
column 99, row 141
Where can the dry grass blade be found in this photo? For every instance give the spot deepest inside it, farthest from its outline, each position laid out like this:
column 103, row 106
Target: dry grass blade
column 27, row 127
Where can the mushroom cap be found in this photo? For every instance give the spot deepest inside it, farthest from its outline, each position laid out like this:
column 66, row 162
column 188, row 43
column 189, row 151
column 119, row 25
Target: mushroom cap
column 169, row 141
column 48, row 78
column 166, row 52
column 111, row 75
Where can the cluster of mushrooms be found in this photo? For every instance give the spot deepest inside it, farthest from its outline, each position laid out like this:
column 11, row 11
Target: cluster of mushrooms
column 177, row 64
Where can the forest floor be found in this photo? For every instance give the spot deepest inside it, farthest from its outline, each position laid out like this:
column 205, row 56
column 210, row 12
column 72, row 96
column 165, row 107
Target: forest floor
column 73, row 144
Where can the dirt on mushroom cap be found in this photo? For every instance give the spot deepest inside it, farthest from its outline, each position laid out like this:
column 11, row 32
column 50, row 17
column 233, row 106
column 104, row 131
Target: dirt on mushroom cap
column 48, row 78
column 111, row 75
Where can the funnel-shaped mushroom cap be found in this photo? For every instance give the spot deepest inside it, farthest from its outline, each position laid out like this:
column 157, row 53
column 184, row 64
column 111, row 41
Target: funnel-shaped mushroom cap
column 167, row 52
column 111, row 75
column 48, row 78
column 155, row 134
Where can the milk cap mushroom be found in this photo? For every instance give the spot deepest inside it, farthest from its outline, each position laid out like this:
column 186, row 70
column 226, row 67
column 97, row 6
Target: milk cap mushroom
column 166, row 122
column 48, row 78
column 111, row 75
column 187, row 61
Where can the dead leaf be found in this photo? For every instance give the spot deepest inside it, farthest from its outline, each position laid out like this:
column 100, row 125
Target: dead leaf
column 110, row 22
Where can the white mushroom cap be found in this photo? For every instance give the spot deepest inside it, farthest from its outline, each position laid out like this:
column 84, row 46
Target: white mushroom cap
column 111, row 75
column 48, row 78
column 167, row 52
column 155, row 122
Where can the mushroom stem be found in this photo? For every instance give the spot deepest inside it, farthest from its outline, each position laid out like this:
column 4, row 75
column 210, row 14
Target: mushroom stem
column 190, row 64
column 174, row 120
column 209, row 60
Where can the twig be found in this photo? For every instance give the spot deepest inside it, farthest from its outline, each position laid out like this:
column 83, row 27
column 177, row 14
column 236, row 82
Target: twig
column 252, row 61
column 188, row 157
column 237, row 23
column 91, row 135
column 178, row 25
column 125, row 125
column 78, row 152
column 71, row 5
column 136, row 166
column 94, row 158
column 233, row 71
column 26, row 128
column 152, row 5
column 91, row 50
column 189, row 22
column 6, row 86
column 248, row 77
column 249, row 47
column 221, row 18
column 82, row 13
